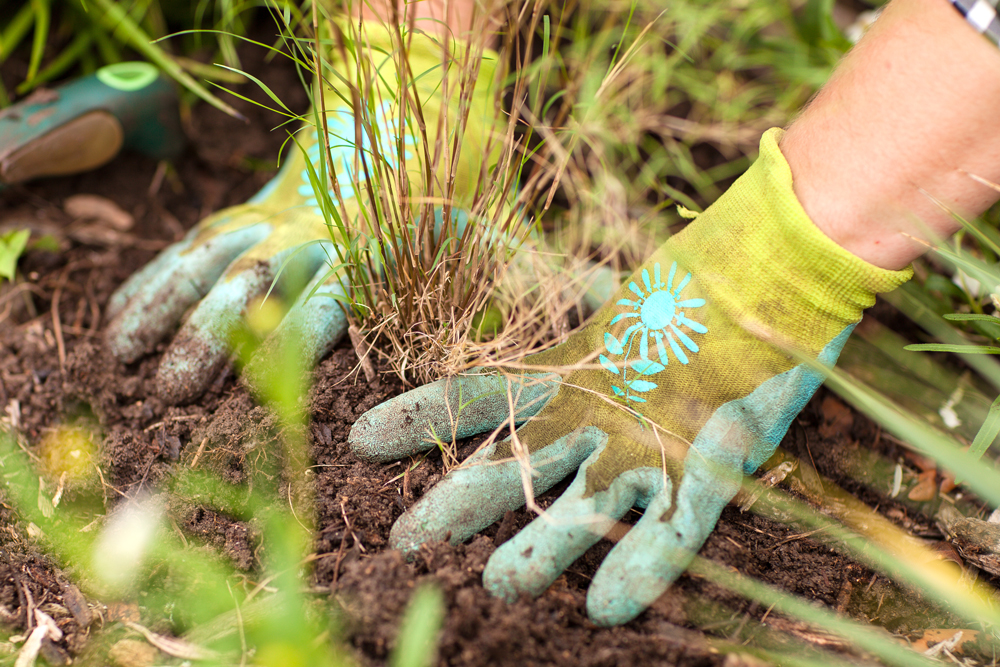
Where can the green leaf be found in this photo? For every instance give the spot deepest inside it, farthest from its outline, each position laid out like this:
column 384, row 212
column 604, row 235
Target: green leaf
column 988, row 431
column 48, row 243
column 958, row 349
column 12, row 244
column 971, row 317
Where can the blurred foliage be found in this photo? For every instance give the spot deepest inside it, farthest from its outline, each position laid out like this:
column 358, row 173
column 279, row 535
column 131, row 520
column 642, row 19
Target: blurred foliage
column 69, row 38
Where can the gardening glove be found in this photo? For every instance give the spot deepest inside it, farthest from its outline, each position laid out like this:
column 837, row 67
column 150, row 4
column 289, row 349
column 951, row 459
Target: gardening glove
column 233, row 256
column 83, row 124
column 675, row 390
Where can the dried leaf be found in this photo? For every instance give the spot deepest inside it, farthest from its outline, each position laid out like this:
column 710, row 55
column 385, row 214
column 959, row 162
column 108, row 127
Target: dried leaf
column 92, row 207
column 926, row 487
column 941, row 637
column 77, row 605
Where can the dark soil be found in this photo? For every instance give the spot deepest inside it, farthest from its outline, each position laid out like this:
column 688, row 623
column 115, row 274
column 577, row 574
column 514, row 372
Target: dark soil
column 50, row 376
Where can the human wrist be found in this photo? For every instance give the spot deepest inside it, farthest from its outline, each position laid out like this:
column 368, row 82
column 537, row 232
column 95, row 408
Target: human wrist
column 885, row 150
column 758, row 227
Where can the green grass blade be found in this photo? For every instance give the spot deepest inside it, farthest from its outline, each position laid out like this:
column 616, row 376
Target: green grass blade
column 114, row 18
column 971, row 317
column 289, row 115
column 15, row 31
column 40, row 8
column 874, row 641
column 284, row 263
column 417, row 639
column 273, row 50
column 260, row 84
column 921, row 308
column 985, row 234
column 988, row 431
column 958, row 349
column 946, row 451
column 62, row 62
column 987, row 274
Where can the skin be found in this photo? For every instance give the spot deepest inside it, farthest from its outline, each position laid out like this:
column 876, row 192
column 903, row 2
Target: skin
column 457, row 18
column 909, row 112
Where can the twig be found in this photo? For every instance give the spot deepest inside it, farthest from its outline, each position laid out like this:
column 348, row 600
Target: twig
column 347, row 523
column 178, row 418
column 201, row 449
column 57, row 322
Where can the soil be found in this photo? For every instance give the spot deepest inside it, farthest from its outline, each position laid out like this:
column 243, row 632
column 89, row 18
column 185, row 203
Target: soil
column 53, row 375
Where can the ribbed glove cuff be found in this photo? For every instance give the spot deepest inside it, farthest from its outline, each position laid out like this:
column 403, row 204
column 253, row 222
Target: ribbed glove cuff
column 761, row 258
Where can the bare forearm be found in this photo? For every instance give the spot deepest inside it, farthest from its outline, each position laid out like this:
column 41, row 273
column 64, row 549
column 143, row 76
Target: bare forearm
column 455, row 18
column 908, row 114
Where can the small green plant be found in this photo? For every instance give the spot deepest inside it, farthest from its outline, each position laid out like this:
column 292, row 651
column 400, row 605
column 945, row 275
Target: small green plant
column 991, row 426
column 418, row 629
column 12, row 244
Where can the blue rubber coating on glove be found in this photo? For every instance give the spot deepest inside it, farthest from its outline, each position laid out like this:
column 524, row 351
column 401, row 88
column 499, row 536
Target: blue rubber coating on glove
column 201, row 347
column 314, row 325
column 466, row 404
column 156, row 299
column 479, row 492
column 739, row 437
column 135, row 283
column 531, row 560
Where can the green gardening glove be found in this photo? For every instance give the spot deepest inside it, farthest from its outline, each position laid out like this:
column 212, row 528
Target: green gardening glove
column 675, row 390
column 232, row 257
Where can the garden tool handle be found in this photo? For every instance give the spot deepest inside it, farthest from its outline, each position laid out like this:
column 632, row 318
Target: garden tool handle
column 83, row 124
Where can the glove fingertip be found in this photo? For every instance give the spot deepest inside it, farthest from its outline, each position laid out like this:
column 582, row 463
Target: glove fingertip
column 402, row 426
column 500, row 578
column 125, row 343
column 409, row 532
column 369, row 438
column 186, row 369
column 608, row 611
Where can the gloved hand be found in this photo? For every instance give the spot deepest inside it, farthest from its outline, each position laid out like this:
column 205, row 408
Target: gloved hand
column 675, row 390
column 232, row 257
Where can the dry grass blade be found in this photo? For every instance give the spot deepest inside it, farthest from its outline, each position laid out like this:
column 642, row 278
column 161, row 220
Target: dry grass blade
column 177, row 648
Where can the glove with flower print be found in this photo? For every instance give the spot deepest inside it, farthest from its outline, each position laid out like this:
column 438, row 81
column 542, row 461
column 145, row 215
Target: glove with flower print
column 672, row 393
column 232, row 257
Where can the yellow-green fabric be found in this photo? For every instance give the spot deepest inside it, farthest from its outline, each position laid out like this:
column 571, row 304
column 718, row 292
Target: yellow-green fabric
column 676, row 389
column 771, row 282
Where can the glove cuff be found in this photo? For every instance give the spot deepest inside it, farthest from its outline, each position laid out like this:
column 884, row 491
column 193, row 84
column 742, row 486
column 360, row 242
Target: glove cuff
column 764, row 261
column 455, row 109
